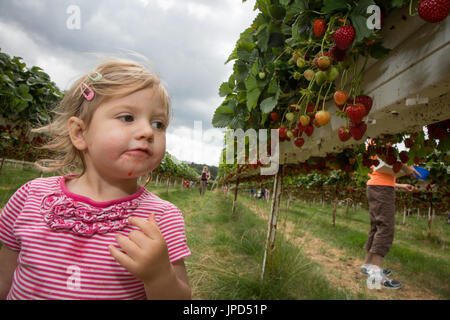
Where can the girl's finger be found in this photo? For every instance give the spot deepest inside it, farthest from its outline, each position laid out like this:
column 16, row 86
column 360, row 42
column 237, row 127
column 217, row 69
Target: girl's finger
column 130, row 247
column 123, row 259
column 149, row 227
column 139, row 238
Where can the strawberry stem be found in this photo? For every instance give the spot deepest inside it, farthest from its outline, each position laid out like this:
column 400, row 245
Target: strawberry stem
column 326, row 94
column 318, row 97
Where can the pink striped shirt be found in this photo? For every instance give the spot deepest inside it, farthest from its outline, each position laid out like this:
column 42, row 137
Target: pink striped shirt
column 62, row 240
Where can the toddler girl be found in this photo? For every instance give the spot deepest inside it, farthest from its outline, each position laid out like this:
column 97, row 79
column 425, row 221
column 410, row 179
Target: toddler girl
column 98, row 234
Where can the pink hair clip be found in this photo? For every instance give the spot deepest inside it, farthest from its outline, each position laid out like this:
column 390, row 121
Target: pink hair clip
column 88, row 96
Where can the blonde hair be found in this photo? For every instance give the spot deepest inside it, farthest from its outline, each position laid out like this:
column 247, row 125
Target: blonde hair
column 119, row 77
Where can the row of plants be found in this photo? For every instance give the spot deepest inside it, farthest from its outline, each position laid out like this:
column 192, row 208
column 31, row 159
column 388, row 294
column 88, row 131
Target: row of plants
column 286, row 66
column 27, row 96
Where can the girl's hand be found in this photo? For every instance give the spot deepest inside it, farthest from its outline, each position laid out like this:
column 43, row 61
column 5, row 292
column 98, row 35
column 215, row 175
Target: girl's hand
column 146, row 255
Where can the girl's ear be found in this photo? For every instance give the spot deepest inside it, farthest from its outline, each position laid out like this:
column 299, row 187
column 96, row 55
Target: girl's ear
column 76, row 130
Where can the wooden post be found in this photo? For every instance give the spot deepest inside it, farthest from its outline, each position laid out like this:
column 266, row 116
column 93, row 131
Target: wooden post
column 168, row 183
column 288, row 201
column 157, row 177
column 429, row 219
column 404, row 215
column 272, row 225
column 333, row 223
column 233, row 212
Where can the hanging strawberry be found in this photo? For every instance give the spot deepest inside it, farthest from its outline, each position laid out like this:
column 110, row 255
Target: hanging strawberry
column 336, row 53
column 344, row 36
column 434, row 10
column 344, row 134
column 355, row 112
column 319, row 27
column 366, row 101
column 357, row 130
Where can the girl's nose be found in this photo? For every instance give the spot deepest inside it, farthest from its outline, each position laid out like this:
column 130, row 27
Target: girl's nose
column 145, row 131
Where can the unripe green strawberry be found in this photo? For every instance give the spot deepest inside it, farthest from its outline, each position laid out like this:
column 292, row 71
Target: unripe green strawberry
column 297, row 75
column 262, row 75
column 332, row 74
column 309, row 74
column 300, row 62
column 289, row 116
column 289, row 134
column 320, row 77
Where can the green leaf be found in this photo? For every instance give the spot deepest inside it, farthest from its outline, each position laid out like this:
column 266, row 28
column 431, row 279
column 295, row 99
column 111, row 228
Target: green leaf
column 262, row 37
column 294, row 9
column 221, row 120
column 252, row 98
column 377, row 51
column 277, row 12
column 268, row 104
column 360, row 26
column 274, row 86
column 233, row 55
column 359, row 17
column 225, row 89
column 334, row 5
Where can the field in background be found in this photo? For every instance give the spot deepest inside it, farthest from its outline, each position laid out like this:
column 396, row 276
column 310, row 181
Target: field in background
column 313, row 260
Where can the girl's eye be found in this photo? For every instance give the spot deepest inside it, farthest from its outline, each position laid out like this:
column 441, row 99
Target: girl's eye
column 158, row 125
column 126, row 118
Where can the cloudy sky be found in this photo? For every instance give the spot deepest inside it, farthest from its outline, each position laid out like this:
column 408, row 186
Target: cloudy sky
column 187, row 42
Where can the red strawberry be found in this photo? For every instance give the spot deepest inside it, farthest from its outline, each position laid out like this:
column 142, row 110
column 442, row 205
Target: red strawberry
column 434, row 10
column 299, row 142
column 337, row 53
column 397, row 166
column 366, row 101
column 376, row 162
column 357, row 130
column 355, row 112
column 409, row 142
column 310, row 108
column 274, row 116
column 344, row 36
column 301, row 127
column 404, row 156
column 391, row 159
column 319, row 27
column 296, row 132
column 282, row 132
column 309, row 130
column 344, row 134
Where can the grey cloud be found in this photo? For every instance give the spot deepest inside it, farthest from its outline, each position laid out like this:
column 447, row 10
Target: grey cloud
column 187, row 51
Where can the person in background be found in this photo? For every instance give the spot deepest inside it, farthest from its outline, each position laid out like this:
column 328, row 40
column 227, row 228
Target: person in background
column 204, row 180
column 380, row 194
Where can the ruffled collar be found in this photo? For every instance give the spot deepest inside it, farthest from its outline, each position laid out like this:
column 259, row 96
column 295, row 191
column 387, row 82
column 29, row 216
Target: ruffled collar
column 66, row 211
